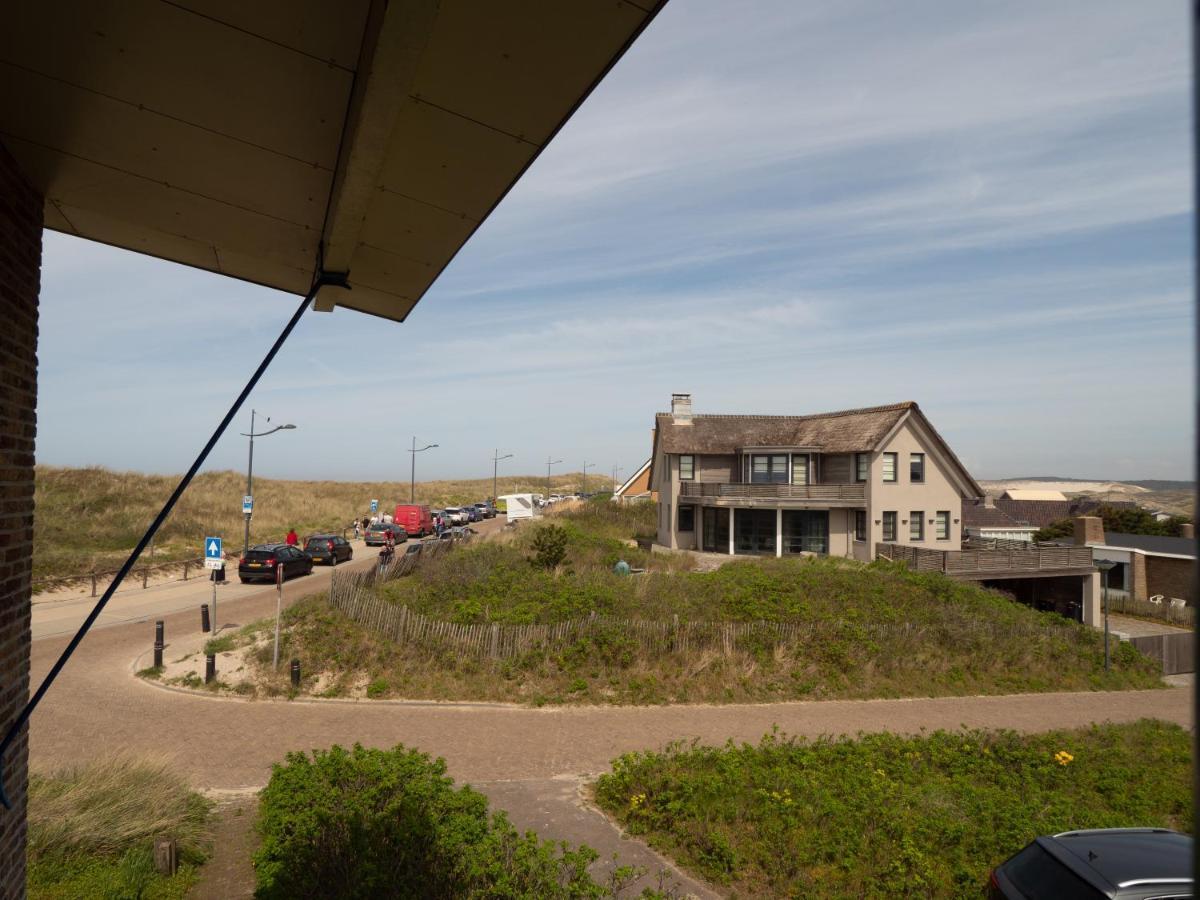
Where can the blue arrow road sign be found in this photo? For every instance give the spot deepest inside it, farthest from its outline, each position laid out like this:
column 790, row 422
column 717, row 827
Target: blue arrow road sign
column 374, row 506
column 212, row 548
column 247, row 505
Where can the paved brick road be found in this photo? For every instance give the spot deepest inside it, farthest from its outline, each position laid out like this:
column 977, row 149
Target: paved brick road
column 97, row 705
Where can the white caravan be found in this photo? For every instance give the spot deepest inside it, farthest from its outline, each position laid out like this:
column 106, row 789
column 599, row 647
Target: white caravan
column 519, row 506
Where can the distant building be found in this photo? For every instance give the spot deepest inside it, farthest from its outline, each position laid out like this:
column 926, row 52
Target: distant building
column 1147, row 565
column 1033, row 495
column 637, row 487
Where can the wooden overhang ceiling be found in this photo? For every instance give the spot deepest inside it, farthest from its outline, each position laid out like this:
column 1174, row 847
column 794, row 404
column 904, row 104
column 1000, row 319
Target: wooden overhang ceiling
column 268, row 140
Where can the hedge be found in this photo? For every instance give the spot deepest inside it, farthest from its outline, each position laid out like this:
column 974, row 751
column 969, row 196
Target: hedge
column 390, row 823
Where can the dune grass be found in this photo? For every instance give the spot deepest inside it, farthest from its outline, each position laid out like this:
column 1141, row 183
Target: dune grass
column 874, row 630
column 88, row 519
column 888, row 816
column 92, row 829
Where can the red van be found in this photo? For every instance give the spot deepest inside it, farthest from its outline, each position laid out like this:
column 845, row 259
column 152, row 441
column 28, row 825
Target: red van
column 415, row 520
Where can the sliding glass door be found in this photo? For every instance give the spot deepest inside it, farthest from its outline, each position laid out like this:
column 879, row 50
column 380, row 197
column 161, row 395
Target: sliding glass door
column 805, row 531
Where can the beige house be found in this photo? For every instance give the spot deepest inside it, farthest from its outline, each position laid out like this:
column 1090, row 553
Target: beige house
column 832, row 483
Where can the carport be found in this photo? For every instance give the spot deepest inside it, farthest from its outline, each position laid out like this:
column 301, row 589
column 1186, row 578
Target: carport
column 339, row 152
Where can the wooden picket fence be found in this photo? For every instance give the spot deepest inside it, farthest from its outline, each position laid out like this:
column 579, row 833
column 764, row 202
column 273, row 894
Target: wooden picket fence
column 355, row 596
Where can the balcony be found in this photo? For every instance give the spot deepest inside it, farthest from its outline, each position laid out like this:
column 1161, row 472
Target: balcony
column 977, row 565
column 838, row 494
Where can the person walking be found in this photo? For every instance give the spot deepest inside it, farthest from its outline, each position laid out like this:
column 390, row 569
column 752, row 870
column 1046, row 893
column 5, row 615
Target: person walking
column 357, row 531
column 292, row 538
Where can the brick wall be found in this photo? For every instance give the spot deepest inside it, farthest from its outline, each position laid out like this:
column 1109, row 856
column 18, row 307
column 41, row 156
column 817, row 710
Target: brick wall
column 1137, row 576
column 1170, row 577
column 20, row 267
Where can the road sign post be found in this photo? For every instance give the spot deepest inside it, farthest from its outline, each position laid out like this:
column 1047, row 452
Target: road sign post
column 214, row 559
column 374, row 507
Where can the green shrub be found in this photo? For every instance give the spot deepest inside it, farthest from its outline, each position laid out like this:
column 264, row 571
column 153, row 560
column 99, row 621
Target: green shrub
column 389, row 823
column 549, row 546
column 883, row 815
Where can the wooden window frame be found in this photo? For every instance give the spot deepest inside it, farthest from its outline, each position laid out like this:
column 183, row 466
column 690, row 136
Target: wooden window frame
column 912, row 458
column 916, row 522
column 895, row 516
column 862, row 474
column 860, row 525
column 691, row 476
column 691, row 510
column 942, row 516
column 895, row 468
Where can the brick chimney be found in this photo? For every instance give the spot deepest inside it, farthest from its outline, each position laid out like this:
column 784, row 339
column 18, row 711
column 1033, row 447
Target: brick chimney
column 1089, row 530
column 989, row 502
column 681, row 407
column 1187, row 530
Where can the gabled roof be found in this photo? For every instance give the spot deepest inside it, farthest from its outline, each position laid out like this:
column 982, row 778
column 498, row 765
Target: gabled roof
column 620, row 492
column 976, row 515
column 844, row 431
column 847, row 431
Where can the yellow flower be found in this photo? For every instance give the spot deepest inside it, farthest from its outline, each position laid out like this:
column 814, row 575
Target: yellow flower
column 1063, row 758
column 636, row 801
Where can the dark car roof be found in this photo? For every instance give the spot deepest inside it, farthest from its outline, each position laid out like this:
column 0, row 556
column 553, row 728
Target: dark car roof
column 1124, row 855
column 322, row 537
column 269, row 546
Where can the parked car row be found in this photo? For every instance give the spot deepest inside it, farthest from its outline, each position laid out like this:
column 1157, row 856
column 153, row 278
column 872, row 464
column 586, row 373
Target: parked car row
column 263, row 562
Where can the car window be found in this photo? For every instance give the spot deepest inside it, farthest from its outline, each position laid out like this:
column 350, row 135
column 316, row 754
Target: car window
column 1039, row 876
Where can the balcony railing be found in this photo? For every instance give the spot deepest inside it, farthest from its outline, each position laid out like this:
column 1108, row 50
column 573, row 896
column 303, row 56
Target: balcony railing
column 699, row 489
column 977, row 562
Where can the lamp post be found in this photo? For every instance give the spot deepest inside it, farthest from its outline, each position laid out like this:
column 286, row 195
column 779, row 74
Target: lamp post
column 549, row 462
column 616, row 484
column 1105, row 566
column 496, row 457
column 412, row 489
column 250, row 470
column 586, row 466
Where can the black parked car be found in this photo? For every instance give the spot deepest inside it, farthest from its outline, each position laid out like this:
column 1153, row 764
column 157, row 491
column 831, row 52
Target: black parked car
column 260, row 563
column 330, row 549
column 1113, row 863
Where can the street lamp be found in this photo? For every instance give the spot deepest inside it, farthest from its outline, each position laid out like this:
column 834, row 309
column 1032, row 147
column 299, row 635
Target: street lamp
column 1105, row 566
column 496, row 457
column 412, row 496
column 549, row 462
column 616, row 484
column 586, row 466
column 250, row 471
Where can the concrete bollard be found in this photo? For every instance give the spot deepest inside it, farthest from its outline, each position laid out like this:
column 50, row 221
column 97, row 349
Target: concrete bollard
column 166, row 856
column 204, row 626
column 210, row 668
column 295, row 673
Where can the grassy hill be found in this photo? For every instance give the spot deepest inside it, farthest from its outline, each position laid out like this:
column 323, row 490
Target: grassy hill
column 89, row 519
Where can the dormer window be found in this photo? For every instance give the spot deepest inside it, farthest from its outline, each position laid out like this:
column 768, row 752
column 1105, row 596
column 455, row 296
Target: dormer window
column 769, row 468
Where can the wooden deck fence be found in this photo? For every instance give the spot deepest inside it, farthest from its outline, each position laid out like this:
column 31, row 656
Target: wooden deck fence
column 976, row 562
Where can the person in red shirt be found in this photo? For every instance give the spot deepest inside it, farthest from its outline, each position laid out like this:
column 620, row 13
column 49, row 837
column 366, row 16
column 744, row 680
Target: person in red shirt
column 292, row 538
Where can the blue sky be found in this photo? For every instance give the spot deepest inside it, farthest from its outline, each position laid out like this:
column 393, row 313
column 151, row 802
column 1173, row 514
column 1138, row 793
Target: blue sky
column 983, row 207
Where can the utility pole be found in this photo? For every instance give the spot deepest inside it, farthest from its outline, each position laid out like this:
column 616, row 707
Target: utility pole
column 583, row 490
column 496, row 457
column 616, row 484
column 549, row 462
column 250, row 470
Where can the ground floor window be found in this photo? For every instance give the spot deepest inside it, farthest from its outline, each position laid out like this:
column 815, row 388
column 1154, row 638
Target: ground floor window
column 687, row 518
column 889, row 526
column 860, row 524
column 754, row 531
column 805, row 531
column 942, row 525
column 916, row 525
